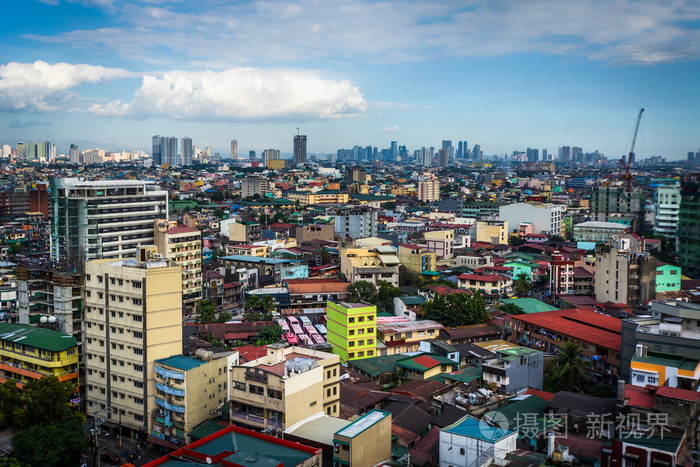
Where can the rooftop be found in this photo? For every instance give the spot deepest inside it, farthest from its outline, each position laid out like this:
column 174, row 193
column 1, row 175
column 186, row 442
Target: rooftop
column 411, row 326
column 472, row 427
column 363, row 423
column 40, row 338
column 529, row 305
column 182, row 362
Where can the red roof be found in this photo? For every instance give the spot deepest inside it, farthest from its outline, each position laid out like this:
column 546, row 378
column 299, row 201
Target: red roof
column 676, row 393
column 426, row 361
column 585, row 325
column 638, row 396
column 181, row 229
column 314, row 286
column 477, row 277
column 412, row 247
column 548, row 396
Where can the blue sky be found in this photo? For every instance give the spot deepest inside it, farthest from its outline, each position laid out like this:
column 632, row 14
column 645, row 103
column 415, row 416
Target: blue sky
column 502, row 74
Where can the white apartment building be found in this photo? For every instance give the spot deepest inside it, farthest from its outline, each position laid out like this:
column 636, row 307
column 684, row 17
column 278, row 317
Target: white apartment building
column 355, row 222
column 429, row 190
column 667, row 205
column 544, row 217
column 103, row 219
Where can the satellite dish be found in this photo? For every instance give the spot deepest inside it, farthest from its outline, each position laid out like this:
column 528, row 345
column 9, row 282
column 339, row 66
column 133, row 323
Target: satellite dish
column 209, row 461
column 52, row 319
column 43, row 320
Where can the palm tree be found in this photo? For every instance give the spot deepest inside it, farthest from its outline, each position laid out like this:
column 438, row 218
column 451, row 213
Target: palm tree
column 267, row 304
column 569, row 369
column 253, row 303
column 522, row 284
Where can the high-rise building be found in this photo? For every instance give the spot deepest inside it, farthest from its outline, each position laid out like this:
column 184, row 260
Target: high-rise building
column 299, row 150
column 21, row 150
column 270, row 155
column 183, row 246
column 565, row 153
column 170, row 155
column 667, row 204
column 425, row 157
column 394, row 150
column 157, row 153
column 689, row 226
column 251, row 186
column 533, row 155
column 477, row 154
column 6, row 151
column 429, row 190
column 460, row 149
column 103, row 219
column 74, row 154
column 625, row 273
column 443, row 158
column 561, row 275
column 251, row 155
column 187, row 148
column 545, row 156
column 133, row 317
column 616, row 204
column 356, row 222
column 577, row 154
column 352, row 329
column 234, row 149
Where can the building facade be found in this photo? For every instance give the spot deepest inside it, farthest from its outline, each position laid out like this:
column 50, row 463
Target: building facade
column 355, row 222
column 351, row 329
column 183, row 247
column 689, row 225
column 429, row 190
column 299, row 150
column 667, row 206
column 103, row 219
column 492, row 231
column 545, row 218
column 133, row 317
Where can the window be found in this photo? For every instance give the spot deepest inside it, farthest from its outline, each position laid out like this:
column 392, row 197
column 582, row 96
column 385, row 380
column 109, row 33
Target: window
column 361, row 354
column 99, row 279
column 351, row 320
column 238, row 386
column 335, row 390
column 138, row 335
column 361, row 319
column 137, row 318
column 351, row 355
column 328, row 392
column 137, row 301
column 138, row 400
column 640, row 378
column 461, row 451
column 334, row 371
column 138, row 351
column 274, row 394
column 258, row 390
column 138, row 418
column 136, row 284
column 70, row 352
column 370, row 353
column 351, row 344
column 138, row 367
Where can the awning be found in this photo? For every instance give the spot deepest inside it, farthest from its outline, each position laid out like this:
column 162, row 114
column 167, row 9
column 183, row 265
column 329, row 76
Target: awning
column 162, row 442
column 389, row 259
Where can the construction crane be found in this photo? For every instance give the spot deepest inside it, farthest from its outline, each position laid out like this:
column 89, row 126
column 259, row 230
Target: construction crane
column 625, row 163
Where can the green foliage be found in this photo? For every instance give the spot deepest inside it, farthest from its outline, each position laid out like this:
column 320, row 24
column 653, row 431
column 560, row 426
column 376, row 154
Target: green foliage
column 326, row 257
column 45, row 401
column 223, row 317
column 384, row 299
column 602, row 390
column 269, row 335
column 206, row 314
column 569, row 370
column 522, row 284
column 408, row 278
column 11, row 462
column 514, row 240
column 10, row 400
column 456, row 310
column 57, row 444
column 257, row 309
column 362, row 291
column 511, row 308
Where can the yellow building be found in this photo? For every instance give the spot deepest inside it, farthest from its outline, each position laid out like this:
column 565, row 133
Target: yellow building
column 188, row 392
column 441, row 242
column 284, row 387
column 379, row 264
column 400, row 338
column 261, row 251
column 133, row 317
column 417, row 258
column 365, row 442
column 28, row 352
column 495, row 232
column 319, row 197
column 183, row 246
column 275, row 164
column 351, row 329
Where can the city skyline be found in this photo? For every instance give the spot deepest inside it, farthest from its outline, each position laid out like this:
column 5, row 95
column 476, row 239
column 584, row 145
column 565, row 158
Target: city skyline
column 504, row 75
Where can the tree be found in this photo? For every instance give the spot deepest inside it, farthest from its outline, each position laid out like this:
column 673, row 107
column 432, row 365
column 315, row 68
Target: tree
column 522, row 284
column 269, row 334
column 267, row 305
column 569, row 369
column 458, row 309
column 57, row 444
column 206, row 313
column 326, row 257
column 511, row 308
column 408, row 277
column 362, row 291
column 223, row 317
column 384, row 300
column 10, row 400
column 253, row 303
column 514, row 240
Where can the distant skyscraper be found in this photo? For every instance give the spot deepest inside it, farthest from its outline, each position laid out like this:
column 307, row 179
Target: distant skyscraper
column 394, row 150
column 234, row 149
column 426, row 156
column 577, row 154
column 565, row 153
column 270, row 154
column 477, row 155
column 299, row 150
column 460, row 149
column 187, row 150
column 251, row 155
column 169, row 151
column 533, row 155
column 545, row 157
column 443, row 157
column 74, row 154
column 157, row 153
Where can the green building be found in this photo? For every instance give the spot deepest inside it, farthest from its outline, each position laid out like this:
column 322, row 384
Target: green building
column 352, row 329
column 521, row 267
column 689, row 225
column 668, row 278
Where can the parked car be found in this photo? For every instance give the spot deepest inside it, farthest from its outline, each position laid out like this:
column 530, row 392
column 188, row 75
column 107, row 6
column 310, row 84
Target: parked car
column 111, row 458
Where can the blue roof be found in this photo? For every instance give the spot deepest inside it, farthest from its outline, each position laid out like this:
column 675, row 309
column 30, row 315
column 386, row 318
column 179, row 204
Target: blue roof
column 474, row 428
column 258, row 259
column 181, row 362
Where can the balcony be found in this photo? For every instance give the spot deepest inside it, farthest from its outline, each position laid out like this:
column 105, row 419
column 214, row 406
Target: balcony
column 257, row 420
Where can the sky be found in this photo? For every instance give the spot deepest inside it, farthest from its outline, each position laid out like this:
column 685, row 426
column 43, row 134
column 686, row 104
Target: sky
column 505, row 74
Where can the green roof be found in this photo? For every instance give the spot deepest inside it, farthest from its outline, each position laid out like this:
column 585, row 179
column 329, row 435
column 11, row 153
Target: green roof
column 375, row 366
column 208, row 428
column 668, row 360
column 412, row 300
column 182, row 362
column 530, row 305
column 512, row 353
column 464, row 376
column 424, row 361
column 529, row 405
column 373, row 198
column 40, row 338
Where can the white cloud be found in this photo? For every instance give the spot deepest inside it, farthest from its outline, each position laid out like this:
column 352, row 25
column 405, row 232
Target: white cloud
column 631, row 31
column 391, row 129
column 40, row 86
column 239, row 94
